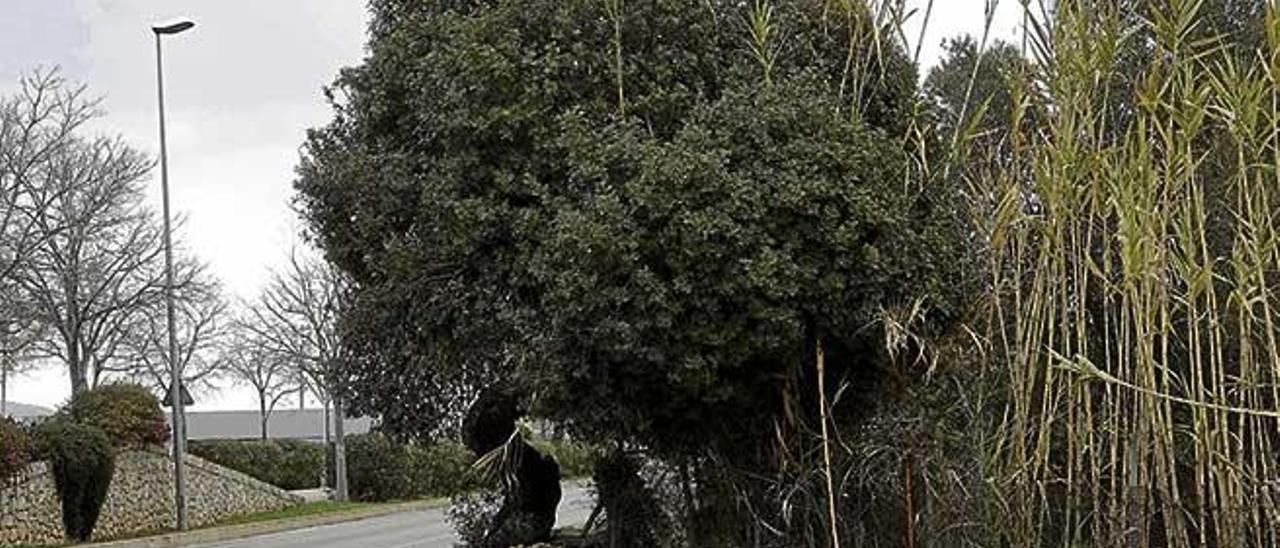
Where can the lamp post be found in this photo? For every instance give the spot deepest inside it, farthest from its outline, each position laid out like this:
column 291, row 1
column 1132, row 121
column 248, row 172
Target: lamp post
column 175, row 376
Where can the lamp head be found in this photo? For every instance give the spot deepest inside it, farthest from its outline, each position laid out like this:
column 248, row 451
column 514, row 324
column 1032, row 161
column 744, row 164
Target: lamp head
column 173, row 26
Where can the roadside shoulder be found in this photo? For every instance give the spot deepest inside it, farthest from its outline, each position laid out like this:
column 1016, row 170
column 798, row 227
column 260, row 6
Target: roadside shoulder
column 224, row 533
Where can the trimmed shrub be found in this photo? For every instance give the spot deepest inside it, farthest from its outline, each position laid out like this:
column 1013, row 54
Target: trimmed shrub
column 83, row 461
column 287, row 464
column 440, row 470
column 301, row 465
column 377, row 469
column 15, row 449
column 129, row 414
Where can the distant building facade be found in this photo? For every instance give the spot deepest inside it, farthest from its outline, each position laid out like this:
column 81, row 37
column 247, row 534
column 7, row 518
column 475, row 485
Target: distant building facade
column 294, row 424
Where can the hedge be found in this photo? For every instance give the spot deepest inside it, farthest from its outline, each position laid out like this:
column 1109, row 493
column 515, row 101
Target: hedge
column 287, row 464
column 378, row 468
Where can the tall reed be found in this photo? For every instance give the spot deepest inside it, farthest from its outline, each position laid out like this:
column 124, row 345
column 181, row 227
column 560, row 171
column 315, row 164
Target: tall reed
column 1134, row 271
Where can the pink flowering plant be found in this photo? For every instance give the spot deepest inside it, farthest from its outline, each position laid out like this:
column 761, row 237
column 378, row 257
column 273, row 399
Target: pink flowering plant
column 15, row 449
column 129, row 414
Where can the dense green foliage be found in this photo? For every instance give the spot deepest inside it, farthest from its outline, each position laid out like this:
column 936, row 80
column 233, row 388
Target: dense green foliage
column 287, row 464
column 635, row 516
column 82, row 459
column 380, row 469
column 377, row 468
column 650, row 216
column 129, row 414
column 576, row 459
column 647, row 240
column 15, row 449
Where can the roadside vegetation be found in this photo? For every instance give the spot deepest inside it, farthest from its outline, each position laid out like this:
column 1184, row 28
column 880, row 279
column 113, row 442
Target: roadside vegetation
column 380, row 469
column 769, row 281
column 796, row 299
column 80, row 443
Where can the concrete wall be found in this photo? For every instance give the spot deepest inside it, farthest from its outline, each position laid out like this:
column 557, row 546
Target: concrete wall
column 140, row 499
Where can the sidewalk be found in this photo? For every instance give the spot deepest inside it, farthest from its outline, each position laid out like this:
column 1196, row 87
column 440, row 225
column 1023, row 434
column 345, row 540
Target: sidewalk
column 233, row 532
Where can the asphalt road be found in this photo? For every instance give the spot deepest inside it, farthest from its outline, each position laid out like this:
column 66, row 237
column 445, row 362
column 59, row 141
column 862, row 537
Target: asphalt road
column 422, row 529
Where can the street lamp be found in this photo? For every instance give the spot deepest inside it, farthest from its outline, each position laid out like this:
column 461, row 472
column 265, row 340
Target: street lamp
column 175, row 376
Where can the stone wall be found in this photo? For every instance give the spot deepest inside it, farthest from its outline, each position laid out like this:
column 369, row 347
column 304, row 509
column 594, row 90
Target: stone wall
column 140, row 499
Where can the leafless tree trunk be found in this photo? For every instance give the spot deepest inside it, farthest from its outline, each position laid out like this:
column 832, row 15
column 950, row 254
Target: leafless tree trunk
column 324, row 477
column 339, row 452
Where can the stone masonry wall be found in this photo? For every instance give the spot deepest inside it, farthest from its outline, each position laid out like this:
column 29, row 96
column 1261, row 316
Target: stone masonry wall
column 140, row 499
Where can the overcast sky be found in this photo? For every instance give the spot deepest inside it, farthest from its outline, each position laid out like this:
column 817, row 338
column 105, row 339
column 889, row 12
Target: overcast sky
column 240, row 90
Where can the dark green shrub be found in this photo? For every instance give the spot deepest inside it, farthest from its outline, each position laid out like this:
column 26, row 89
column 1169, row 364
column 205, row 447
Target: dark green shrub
column 635, row 517
column 129, row 414
column 301, row 465
column 576, row 459
column 256, row 458
column 377, row 469
column 83, row 462
column 439, row 470
column 15, row 449
column 287, row 464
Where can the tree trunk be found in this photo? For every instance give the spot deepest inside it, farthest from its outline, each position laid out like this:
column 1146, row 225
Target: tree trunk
column 324, row 477
column 339, row 453
column 75, row 367
column 262, row 412
column 4, row 387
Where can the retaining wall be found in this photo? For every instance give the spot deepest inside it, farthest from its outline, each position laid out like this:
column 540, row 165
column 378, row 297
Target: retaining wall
column 140, row 499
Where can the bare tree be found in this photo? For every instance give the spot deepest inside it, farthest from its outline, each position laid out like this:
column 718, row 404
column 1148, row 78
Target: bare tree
column 96, row 264
column 202, row 323
column 20, row 329
column 251, row 360
column 297, row 316
column 36, row 123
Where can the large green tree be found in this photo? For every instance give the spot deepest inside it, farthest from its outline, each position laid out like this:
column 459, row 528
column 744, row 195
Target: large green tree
column 647, row 214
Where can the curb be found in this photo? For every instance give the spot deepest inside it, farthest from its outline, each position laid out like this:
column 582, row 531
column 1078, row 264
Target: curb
column 235, row 532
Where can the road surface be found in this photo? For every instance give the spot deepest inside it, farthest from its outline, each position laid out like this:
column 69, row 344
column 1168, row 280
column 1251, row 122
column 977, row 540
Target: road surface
column 422, row 529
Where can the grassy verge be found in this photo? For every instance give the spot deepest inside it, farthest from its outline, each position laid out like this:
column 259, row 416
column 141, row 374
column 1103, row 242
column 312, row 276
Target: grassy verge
column 302, row 510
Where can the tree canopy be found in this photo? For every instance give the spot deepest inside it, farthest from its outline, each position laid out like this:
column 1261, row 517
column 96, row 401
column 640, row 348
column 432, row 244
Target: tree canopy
column 645, row 214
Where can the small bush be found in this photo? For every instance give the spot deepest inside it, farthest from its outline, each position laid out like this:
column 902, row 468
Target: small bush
column 635, row 517
column 302, row 465
column 287, row 464
column 129, row 414
column 471, row 515
column 15, row 449
column 83, row 462
column 440, row 470
column 576, row 459
column 377, row 469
